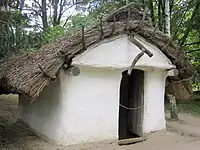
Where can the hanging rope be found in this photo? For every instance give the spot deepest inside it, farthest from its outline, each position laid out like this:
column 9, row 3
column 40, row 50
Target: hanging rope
column 128, row 108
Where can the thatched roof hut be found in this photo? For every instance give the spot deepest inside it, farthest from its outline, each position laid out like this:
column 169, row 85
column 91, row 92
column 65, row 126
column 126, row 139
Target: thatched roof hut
column 30, row 73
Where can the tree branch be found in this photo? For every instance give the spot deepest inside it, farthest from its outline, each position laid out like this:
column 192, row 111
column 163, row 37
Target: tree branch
column 68, row 19
column 31, row 9
column 194, row 43
column 184, row 13
column 188, row 30
column 134, row 62
column 60, row 12
column 70, row 7
column 38, row 3
column 182, row 80
column 191, row 51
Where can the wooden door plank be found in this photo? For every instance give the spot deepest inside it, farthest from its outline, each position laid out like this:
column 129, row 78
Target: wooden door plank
column 136, row 88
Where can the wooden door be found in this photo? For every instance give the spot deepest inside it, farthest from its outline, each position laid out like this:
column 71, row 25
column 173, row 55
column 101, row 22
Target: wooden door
column 131, row 96
column 136, row 102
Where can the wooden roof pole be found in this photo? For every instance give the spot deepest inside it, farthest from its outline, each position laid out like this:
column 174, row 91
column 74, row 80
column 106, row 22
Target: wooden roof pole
column 137, row 58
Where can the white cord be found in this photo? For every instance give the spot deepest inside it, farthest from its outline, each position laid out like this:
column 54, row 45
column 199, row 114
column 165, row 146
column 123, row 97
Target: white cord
column 130, row 108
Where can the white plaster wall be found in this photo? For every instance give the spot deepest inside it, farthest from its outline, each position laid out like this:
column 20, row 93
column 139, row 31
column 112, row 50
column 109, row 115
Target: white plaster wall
column 154, row 88
column 85, row 108
column 78, row 109
column 119, row 52
column 90, row 105
column 44, row 113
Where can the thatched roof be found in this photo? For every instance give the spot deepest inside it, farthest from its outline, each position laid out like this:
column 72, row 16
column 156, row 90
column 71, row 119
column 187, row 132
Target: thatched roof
column 30, row 73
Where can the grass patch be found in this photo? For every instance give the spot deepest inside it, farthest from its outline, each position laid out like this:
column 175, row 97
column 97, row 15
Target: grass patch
column 189, row 106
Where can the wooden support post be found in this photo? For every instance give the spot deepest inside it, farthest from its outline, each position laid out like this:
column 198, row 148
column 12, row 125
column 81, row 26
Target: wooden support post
column 134, row 62
column 101, row 28
column 127, row 22
column 140, row 46
column 173, row 107
column 83, row 37
column 113, row 27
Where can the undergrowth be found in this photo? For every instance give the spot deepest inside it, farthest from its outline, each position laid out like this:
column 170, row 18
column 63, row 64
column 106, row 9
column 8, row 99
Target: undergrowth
column 188, row 106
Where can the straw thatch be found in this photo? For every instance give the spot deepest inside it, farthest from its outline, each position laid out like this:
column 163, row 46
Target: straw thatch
column 29, row 73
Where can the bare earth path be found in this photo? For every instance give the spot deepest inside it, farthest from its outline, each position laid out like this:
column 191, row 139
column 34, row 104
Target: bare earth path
column 160, row 141
column 14, row 135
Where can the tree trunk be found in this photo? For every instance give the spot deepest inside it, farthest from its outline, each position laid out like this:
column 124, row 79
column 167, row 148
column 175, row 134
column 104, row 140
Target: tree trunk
column 55, row 12
column 173, row 107
column 167, row 17
column 21, row 5
column 60, row 12
column 171, row 4
column 152, row 11
column 44, row 15
column 143, row 2
column 160, row 14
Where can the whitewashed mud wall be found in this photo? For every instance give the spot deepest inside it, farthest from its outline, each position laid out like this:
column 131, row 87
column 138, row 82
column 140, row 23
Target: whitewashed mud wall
column 154, row 89
column 90, row 105
column 44, row 114
column 84, row 108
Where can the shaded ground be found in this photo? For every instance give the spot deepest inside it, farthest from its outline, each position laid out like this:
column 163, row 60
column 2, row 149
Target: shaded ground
column 15, row 135
column 187, row 125
column 160, row 141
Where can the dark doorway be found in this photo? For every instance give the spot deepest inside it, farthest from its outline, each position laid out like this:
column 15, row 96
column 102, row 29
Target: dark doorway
column 131, row 104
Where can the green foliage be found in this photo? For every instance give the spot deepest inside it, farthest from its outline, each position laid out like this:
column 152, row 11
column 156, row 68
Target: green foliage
column 74, row 24
column 80, row 20
column 189, row 106
column 105, row 6
column 13, row 35
column 196, row 64
column 53, row 33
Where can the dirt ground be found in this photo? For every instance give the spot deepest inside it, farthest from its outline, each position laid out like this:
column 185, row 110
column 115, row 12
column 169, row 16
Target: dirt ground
column 15, row 135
